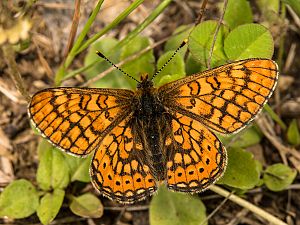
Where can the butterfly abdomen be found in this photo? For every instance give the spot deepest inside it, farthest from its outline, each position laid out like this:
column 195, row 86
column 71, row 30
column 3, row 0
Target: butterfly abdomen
column 148, row 113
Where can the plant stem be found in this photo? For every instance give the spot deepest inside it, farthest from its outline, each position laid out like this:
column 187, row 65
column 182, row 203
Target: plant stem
column 82, row 35
column 155, row 13
column 258, row 211
column 113, row 24
column 14, row 73
column 216, row 34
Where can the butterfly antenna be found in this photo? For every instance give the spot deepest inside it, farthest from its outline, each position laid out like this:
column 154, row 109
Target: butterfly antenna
column 118, row 68
column 169, row 60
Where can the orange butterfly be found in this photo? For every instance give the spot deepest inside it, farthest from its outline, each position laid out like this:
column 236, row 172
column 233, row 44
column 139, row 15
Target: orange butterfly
column 153, row 134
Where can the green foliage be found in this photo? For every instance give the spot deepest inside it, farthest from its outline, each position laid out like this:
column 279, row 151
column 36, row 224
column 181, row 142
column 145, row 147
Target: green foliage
column 143, row 64
column 200, row 42
column 171, row 208
column 238, row 12
column 244, row 139
column 274, row 116
column 249, row 41
column 192, row 66
column 18, row 200
column 87, row 205
column 293, row 134
column 177, row 37
column 242, row 170
column 269, row 10
column 114, row 79
column 53, row 171
column 79, row 168
column 295, row 5
column 50, row 205
column 173, row 71
column 278, row 177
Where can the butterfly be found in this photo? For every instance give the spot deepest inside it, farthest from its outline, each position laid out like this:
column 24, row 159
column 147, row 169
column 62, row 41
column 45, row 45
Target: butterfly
column 155, row 135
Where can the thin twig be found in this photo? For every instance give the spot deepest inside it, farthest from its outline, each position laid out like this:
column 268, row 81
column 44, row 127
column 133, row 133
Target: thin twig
column 74, row 27
column 216, row 34
column 14, row 73
column 216, row 209
column 201, row 13
column 242, row 202
column 267, row 131
column 128, row 209
column 197, row 21
column 42, row 59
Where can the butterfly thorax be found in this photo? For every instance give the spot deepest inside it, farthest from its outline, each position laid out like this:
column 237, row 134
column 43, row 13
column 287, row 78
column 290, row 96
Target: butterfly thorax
column 148, row 112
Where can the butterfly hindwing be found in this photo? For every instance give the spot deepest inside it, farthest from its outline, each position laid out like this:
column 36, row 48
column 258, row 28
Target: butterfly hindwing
column 226, row 98
column 195, row 156
column 119, row 169
column 75, row 119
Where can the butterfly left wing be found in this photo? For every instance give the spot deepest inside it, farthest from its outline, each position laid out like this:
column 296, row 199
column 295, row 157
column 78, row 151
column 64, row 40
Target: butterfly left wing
column 225, row 98
column 76, row 119
column 195, row 156
column 119, row 169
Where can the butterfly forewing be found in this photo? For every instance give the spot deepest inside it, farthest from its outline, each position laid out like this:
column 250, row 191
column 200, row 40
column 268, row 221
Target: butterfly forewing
column 226, row 98
column 76, row 119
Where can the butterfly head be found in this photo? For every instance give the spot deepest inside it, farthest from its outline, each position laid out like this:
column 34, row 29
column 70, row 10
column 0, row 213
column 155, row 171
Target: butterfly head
column 145, row 83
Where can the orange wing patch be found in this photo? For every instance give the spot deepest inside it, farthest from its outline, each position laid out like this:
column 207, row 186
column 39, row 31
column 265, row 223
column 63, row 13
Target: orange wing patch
column 226, row 98
column 118, row 168
column 196, row 158
column 75, row 119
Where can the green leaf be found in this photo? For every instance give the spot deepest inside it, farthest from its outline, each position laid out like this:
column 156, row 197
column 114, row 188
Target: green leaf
column 173, row 71
column 171, row 208
column 87, row 205
column 268, row 5
column 143, row 64
column 200, row 42
column 274, row 116
column 269, row 10
column 53, row 170
column 114, row 79
column 249, row 41
column 279, row 176
column 50, row 205
column 295, row 4
column 242, row 171
column 293, row 134
column 79, row 168
column 248, row 137
column 18, row 200
column 238, row 12
column 177, row 38
column 192, row 66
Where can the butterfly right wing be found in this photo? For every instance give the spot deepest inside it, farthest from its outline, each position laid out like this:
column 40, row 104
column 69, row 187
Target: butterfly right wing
column 226, row 98
column 195, row 156
column 76, row 119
